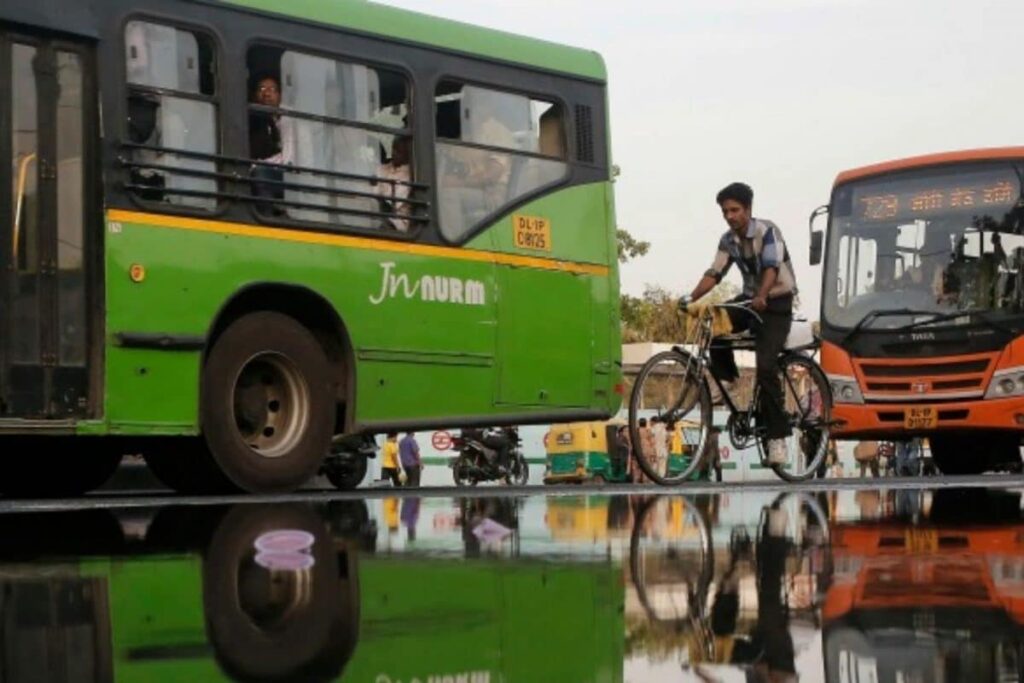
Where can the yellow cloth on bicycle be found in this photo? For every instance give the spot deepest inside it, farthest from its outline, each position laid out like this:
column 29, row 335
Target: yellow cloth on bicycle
column 721, row 324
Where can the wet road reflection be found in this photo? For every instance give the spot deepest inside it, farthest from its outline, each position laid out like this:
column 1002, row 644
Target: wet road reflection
column 846, row 586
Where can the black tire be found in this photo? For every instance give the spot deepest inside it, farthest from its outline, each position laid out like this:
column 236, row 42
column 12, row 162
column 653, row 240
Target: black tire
column 279, row 624
column 461, row 463
column 346, row 474
column 810, row 432
column 185, row 465
column 521, row 475
column 58, row 467
column 702, row 401
column 267, row 403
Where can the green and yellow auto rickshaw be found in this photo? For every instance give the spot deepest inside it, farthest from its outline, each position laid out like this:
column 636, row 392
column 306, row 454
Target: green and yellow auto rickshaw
column 585, row 452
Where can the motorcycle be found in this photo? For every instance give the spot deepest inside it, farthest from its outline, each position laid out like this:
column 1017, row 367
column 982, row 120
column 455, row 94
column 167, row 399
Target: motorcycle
column 346, row 464
column 478, row 462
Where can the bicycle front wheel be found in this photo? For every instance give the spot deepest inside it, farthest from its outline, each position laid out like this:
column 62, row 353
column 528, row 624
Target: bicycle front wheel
column 669, row 417
column 807, row 403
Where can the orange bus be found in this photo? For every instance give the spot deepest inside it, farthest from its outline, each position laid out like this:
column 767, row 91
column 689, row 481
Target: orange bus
column 922, row 307
column 936, row 601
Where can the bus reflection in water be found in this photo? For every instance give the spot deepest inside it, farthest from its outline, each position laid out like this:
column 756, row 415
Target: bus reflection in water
column 941, row 599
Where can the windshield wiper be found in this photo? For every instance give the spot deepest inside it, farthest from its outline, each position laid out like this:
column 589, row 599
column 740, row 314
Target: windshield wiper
column 983, row 313
column 875, row 315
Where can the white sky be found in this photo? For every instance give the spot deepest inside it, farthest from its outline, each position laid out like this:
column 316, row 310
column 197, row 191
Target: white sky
column 781, row 94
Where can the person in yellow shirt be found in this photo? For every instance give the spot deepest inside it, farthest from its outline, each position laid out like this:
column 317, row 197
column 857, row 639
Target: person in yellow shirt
column 389, row 460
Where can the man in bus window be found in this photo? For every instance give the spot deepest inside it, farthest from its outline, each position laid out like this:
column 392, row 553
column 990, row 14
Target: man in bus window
column 269, row 142
column 756, row 247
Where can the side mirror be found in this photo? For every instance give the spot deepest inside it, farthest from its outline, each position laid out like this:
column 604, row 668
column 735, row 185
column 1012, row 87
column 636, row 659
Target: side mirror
column 817, row 236
column 817, row 243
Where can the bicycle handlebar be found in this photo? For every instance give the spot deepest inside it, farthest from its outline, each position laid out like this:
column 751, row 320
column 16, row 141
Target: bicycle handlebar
column 736, row 305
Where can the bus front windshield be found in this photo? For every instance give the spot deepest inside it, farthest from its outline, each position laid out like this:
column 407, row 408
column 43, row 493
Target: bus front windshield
column 941, row 247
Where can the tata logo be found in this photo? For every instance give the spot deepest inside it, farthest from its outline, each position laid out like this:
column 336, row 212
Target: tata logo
column 919, row 387
column 922, row 336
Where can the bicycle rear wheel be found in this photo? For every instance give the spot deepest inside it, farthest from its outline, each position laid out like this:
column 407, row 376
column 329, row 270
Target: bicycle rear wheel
column 807, row 402
column 670, row 391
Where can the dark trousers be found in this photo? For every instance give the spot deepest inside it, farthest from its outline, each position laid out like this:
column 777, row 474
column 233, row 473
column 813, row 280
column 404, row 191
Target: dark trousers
column 770, row 337
column 392, row 474
column 264, row 191
column 412, row 476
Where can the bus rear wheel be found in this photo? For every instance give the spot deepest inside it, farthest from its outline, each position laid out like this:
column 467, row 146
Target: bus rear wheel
column 267, row 403
column 975, row 453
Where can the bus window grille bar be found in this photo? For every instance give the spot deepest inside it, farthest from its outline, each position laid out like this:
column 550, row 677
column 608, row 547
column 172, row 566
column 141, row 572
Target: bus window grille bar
column 508, row 151
column 136, row 89
column 327, row 208
column 221, row 159
column 281, row 184
column 331, row 120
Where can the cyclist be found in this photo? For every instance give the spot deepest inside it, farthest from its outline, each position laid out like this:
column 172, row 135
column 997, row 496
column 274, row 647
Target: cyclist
column 756, row 247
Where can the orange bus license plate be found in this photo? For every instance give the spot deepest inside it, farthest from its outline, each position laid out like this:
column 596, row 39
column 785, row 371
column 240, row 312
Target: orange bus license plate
column 920, row 418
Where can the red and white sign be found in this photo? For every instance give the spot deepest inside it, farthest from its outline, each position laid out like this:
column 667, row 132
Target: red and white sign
column 724, row 452
column 441, row 441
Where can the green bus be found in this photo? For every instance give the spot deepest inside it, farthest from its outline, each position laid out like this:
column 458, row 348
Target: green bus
column 237, row 231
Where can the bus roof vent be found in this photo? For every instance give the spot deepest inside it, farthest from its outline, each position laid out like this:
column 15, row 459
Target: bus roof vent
column 584, row 134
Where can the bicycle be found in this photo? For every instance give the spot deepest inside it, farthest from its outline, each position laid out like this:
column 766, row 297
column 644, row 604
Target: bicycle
column 673, row 385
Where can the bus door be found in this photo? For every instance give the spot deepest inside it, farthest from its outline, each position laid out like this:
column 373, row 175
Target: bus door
column 45, row 170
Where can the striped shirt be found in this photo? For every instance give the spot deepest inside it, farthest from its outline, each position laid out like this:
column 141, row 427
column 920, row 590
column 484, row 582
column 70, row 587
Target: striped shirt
column 760, row 248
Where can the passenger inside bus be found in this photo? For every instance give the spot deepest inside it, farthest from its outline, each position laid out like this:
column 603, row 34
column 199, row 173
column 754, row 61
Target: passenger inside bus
column 267, row 144
column 495, row 148
column 330, row 116
column 392, row 185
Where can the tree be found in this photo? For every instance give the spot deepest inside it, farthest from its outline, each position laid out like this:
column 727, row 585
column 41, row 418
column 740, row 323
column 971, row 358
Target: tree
column 629, row 246
column 654, row 316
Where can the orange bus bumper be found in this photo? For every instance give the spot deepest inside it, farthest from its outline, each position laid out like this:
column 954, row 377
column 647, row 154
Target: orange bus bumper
column 881, row 420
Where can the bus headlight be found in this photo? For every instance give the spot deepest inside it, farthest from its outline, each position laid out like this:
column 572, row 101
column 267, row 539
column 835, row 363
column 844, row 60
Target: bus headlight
column 1006, row 383
column 845, row 390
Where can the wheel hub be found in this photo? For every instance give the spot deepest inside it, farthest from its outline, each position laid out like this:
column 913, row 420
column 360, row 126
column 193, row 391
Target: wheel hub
column 271, row 404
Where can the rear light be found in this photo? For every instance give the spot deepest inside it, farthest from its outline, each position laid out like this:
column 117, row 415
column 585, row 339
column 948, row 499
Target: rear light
column 620, row 389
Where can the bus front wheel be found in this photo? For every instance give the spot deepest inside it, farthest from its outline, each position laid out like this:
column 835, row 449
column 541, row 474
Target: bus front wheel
column 267, row 403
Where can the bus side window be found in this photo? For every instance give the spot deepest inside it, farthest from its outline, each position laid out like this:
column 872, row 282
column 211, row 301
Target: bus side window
column 171, row 107
column 493, row 148
column 339, row 126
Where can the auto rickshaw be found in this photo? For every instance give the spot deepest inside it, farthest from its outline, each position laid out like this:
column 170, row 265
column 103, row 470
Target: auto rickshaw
column 584, row 452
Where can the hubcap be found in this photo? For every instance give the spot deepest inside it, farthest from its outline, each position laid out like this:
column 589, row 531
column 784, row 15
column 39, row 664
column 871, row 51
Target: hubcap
column 271, row 404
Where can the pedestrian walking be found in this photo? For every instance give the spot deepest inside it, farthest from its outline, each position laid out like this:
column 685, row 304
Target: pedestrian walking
column 866, row 455
column 409, row 452
column 389, row 460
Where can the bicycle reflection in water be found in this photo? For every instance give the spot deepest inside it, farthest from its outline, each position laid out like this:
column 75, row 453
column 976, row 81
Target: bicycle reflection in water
column 743, row 614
